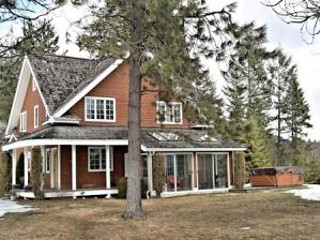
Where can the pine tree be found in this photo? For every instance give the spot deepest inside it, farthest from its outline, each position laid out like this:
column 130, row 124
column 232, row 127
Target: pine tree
column 279, row 72
column 38, row 37
column 258, row 153
column 246, row 69
column 161, row 40
column 297, row 116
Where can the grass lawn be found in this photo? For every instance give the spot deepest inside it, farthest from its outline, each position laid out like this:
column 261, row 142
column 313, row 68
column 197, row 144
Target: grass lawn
column 254, row 215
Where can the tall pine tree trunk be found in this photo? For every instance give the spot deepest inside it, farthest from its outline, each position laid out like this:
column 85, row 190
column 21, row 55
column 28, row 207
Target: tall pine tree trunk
column 133, row 202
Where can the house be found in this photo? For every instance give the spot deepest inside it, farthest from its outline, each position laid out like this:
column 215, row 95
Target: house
column 75, row 111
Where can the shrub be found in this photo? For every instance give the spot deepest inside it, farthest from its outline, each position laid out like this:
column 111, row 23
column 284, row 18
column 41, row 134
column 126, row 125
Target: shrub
column 239, row 170
column 312, row 172
column 122, row 188
column 158, row 173
column 5, row 173
column 37, row 173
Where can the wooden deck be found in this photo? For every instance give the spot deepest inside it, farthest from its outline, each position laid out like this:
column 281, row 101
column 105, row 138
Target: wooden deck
column 51, row 193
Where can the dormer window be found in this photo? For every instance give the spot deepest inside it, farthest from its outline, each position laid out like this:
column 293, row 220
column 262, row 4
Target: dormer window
column 23, row 121
column 169, row 113
column 100, row 109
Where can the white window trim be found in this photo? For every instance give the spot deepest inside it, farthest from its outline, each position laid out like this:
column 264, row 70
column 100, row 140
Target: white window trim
column 95, row 110
column 36, row 118
column 46, row 161
column 101, row 169
column 34, row 87
column 165, row 110
column 23, row 116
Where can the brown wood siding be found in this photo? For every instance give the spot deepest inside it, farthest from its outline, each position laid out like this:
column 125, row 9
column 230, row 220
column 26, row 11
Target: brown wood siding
column 231, row 167
column 116, row 86
column 32, row 99
column 86, row 179
column 66, row 167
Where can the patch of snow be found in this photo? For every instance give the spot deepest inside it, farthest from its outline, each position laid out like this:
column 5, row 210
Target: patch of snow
column 7, row 206
column 312, row 192
column 248, row 185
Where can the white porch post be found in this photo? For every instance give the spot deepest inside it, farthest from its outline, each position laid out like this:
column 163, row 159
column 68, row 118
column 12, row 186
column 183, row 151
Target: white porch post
column 26, row 173
column 150, row 178
column 74, row 167
column 14, row 166
column 108, row 182
column 228, row 171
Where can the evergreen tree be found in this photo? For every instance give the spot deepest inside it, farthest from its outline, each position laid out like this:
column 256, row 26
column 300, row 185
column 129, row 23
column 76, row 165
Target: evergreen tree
column 38, row 37
column 246, row 69
column 258, row 153
column 297, row 116
column 279, row 72
column 161, row 40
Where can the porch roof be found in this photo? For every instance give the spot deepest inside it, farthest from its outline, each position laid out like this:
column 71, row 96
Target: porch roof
column 155, row 139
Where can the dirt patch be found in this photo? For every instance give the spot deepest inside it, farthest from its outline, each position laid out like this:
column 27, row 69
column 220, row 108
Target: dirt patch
column 254, row 215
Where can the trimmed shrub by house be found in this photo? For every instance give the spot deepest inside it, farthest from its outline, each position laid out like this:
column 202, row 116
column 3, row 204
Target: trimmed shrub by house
column 239, row 170
column 158, row 173
column 122, row 188
column 37, row 173
column 5, row 173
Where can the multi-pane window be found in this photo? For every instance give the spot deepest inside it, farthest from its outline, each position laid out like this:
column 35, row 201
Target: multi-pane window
column 23, row 122
column 97, row 158
column 36, row 116
column 169, row 112
column 101, row 109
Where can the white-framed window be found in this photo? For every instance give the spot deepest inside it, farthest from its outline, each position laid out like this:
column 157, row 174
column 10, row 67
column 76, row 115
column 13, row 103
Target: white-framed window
column 23, row 121
column 169, row 113
column 34, row 87
column 97, row 159
column 36, row 116
column 48, row 160
column 100, row 109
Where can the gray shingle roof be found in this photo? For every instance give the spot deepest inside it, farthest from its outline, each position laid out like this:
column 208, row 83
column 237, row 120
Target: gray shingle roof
column 185, row 138
column 62, row 77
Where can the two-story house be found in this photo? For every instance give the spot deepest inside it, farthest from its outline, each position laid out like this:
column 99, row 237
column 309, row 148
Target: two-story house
column 75, row 110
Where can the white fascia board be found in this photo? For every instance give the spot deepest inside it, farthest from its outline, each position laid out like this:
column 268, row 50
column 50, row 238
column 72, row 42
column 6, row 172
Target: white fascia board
column 78, row 142
column 20, row 94
column 88, row 88
column 38, row 88
column 194, row 149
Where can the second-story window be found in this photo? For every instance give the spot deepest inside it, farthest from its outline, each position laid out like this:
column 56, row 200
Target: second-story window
column 100, row 109
column 36, row 116
column 170, row 113
column 23, row 122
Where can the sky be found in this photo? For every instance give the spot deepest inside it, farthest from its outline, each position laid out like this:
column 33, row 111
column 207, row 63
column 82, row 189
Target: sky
column 280, row 34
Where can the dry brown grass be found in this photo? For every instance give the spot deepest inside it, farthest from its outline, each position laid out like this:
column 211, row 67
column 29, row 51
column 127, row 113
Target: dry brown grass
column 256, row 215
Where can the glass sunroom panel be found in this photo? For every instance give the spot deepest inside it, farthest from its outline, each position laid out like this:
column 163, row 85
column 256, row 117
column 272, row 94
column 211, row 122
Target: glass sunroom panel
column 184, row 172
column 205, row 171
column 221, row 173
column 169, row 167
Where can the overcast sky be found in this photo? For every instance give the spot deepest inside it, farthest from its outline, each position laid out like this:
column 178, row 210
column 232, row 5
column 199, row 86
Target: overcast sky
column 307, row 57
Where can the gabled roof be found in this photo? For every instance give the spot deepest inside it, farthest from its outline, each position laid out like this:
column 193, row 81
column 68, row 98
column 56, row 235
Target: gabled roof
column 59, row 77
column 62, row 81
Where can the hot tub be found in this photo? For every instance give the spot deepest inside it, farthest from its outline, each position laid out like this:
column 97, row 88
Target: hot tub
column 276, row 176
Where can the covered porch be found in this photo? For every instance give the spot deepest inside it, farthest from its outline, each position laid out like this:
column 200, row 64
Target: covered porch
column 175, row 162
